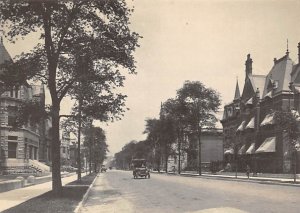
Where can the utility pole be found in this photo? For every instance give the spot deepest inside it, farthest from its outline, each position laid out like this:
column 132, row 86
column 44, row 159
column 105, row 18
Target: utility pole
column 199, row 139
column 199, row 150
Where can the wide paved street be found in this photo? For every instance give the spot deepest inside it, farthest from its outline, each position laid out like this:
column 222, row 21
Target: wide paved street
column 117, row 191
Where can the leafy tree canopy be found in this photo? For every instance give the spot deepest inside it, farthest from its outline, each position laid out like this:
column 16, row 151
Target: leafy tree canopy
column 202, row 103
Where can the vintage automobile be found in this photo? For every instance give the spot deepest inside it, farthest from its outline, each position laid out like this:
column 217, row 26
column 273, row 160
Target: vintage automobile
column 139, row 168
column 103, row 168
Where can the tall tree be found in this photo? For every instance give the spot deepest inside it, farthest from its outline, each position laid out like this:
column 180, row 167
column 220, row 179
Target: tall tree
column 95, row 141
column 202, row 104
column 176, row 111
column 167, row 138
column 68, row 30
column 153, row 131
column 287, row 122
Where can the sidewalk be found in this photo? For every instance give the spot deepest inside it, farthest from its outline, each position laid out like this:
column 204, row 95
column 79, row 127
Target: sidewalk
column 15, row 197
column 277, row 179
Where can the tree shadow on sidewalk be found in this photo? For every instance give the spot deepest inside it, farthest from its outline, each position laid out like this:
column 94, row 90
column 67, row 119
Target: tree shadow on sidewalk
column 72, row 194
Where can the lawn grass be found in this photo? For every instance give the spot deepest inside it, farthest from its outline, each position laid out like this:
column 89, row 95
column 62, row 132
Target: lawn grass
column 71, row 196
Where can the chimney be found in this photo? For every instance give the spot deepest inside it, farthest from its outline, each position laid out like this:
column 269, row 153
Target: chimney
column 299, row 52
column 275, row 60
column 248, row 65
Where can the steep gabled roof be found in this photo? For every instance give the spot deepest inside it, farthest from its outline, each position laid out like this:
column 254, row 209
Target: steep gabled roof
column 253, row 82
column 258, row 81
column 280, row 74
column 4, row 55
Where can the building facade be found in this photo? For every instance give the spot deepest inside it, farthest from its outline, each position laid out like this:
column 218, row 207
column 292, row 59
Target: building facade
column 211, row 148
column 18, row 146
column 251, row 135
column 65, row 149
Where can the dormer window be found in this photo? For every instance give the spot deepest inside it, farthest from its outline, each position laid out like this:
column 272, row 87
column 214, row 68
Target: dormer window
column 275, row 84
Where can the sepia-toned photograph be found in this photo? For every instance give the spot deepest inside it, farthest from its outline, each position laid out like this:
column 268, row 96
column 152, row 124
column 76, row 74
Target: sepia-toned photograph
column 149, row 106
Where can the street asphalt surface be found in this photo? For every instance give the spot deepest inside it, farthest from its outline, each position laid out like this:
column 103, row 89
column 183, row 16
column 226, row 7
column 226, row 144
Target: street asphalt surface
column 117, row 191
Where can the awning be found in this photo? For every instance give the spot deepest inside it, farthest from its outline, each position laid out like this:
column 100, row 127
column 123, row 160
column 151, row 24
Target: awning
column 229, row 152
column 297, row 89
column 251, row 149
column 267, row 146
column 269, row 94
column 250, row 125
column 250, row 101
column 241, row 126
column 242, row 150
column 269, row 120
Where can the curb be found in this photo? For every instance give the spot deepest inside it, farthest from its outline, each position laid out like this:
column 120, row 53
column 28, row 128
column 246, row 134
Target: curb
column 85, row 196
column 259, row 181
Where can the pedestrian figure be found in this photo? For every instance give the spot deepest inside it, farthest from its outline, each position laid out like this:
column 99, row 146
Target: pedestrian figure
column 248, row 171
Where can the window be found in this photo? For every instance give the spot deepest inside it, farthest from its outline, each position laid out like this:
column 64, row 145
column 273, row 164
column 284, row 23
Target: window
column 12, row 115
column 16, row 92
column 25, row 152
column 12, row 150
column 35, row 153
column 13, row 138
column 30, row 152
column 12, row 120
column 12, row 93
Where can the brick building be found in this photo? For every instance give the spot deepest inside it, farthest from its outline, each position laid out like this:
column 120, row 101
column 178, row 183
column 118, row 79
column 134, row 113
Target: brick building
column 20, row 148
column 251, row 135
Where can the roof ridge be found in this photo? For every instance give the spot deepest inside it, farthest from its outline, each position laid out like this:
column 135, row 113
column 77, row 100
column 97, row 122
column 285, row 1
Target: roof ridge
column 282, row 58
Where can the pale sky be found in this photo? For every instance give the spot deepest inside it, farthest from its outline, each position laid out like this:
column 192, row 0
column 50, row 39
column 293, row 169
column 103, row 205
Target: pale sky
column 196, row 40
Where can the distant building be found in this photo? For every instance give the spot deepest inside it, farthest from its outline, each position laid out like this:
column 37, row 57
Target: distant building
column 250, row 133
column 211, row 148
column 65, row 148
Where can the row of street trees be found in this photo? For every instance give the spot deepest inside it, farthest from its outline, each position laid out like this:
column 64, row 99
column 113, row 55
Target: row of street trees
column 94, row 141
column 193, row 109
column 69, row 30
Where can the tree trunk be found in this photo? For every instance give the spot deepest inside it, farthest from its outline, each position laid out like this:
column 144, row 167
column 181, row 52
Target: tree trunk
column 90, row 158
column 166, row 161
column 179, row 152
column 56, row 177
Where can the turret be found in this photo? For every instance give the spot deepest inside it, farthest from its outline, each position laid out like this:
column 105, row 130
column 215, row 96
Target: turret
column 237, row 94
